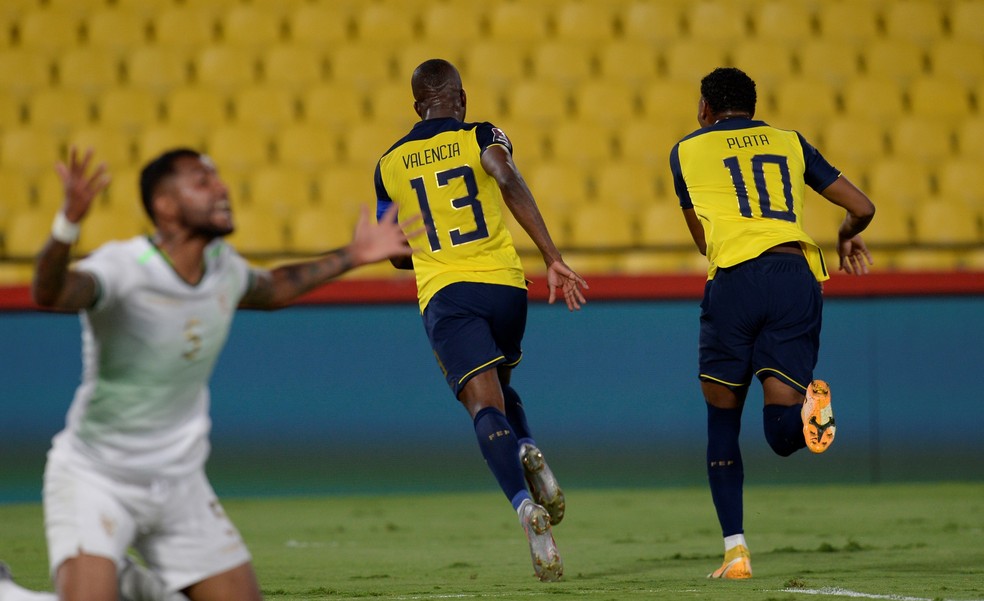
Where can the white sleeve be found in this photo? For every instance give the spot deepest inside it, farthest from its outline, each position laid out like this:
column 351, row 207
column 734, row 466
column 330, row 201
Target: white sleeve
column 107, row 265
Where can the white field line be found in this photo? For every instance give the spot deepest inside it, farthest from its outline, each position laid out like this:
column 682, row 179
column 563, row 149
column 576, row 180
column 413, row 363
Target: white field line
column 843, row 592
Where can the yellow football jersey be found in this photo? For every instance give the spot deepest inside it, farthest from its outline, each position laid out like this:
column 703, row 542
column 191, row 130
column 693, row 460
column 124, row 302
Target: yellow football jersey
column 746, row 181
column 436, row 171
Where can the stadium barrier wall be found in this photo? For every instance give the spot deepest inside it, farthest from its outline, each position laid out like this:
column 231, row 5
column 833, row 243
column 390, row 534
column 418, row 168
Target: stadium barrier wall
column 345, row 396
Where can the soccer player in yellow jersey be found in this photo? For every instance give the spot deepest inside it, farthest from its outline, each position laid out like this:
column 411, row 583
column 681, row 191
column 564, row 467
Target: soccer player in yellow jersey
column 741, row 184
column 471, row 285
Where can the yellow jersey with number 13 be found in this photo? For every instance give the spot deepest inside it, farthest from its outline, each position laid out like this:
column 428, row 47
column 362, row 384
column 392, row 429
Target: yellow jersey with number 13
column 746, row 181
column 436, row 171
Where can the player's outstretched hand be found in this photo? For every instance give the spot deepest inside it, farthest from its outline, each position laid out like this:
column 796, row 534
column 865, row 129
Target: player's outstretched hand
column 373, row 242
column 854, row 256
column 81, row 188
column 559, row 275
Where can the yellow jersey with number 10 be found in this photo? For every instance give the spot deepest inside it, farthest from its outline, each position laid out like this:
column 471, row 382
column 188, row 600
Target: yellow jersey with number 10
column 746, row 181
column 436, row 171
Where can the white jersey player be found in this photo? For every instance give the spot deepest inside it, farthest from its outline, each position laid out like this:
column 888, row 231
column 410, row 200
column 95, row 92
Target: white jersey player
column 128, row 469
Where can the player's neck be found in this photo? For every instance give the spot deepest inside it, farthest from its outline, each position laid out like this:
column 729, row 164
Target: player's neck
column 185, row 256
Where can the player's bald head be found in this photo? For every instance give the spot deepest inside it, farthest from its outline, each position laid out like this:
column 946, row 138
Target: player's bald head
column 434, row 78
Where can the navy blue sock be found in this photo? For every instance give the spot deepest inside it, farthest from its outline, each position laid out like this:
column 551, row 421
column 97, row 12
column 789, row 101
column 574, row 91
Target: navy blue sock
column 517, row 415
column 500, row 448
column 724, row 468
column 783, row 428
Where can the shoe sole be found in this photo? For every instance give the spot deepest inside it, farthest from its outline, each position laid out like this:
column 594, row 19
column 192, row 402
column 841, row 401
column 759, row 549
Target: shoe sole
column 547, row 564
column 543, row 484
column 818, row 417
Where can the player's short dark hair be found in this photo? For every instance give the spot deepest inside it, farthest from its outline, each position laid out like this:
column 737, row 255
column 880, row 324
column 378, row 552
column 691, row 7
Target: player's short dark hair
column 729, row 89
column 155, row 171
column 432, row 77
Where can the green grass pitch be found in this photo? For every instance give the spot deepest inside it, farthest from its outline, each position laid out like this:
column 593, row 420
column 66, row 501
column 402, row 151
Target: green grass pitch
column 898, row 542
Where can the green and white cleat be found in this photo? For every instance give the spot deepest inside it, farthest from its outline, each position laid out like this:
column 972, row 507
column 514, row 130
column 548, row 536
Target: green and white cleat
column 547, row 564
column 546, row 491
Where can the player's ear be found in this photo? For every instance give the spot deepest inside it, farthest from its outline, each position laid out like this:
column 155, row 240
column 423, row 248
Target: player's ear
column 416, row 109
column 464, row 103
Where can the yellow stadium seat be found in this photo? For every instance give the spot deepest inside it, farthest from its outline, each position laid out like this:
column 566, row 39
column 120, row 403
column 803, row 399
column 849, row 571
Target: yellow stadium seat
column 319, row 25
column 529, row 141
column 49, row 191
column 281, row 190
column 821, row 219
column 195, row 108
column 847, row 21
column 317, row 230
column 876, row 98
column 49, row 31
column 16, row 192
column 499, row 64
column 673, row 100
column 116, row 31
column 852, row 141
column 690, row 60
column 786, row 23
column 717, row 20
column 345, row 188
column 940, row 98
column 267, row 107
column 946, row 221
column 767, row 62
column 558, row 186
column 601, row 226
column 58, row 111
column 128, row 108
column 564, row 62
column 661, row 223
column 920, row 138
column 651, row 145
column 630, row 185
column 11, row 112
column 587, row 23
column 409, row 56
column 518, row 24
column 308, row 148
column 360, row 66
column 924, row 259
column 103, row 226
column 901, row 182
column 383, row 24
column 364, row 143
column 249, row 26
column 258, row 231
column 538, row 102
column 632, row 61
column 333, row 107
column 27, row 232
column 23, row 72
column 957, row 59
column 647, row 22
column 891, row 226
column 155, row 139
column 111, row 146
column 833, row 61
column 17, row 8
column 966, row 17
column 970, row 135
column 87, row 70
column 237, row 150
column 185, row 27
column 29, row 150
column 918, row 21
column 973, row 260
column 225, row 68
column 663, row 262
column 123, row 193
column 804, row 103
column 454, row 25
column 606, row 102
column 293, row 66
column 147, row 8
column 484, row 102
column 156, row 68
column 962, row 179
column 582, row 144
column 899, row 60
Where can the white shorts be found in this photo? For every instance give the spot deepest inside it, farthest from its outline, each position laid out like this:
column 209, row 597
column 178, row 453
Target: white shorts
column 177, row 525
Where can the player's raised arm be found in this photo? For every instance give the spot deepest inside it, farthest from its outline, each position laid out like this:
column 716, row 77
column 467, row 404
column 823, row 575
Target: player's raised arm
column 498, row 163
column 371, row 242
column 55, row 285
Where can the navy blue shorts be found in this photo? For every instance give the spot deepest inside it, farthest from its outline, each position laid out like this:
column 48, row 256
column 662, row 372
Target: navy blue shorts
column 475, row 327
column 761, row 317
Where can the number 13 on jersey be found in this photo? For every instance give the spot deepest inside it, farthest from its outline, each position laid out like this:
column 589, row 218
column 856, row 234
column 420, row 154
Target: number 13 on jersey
column 468, row 202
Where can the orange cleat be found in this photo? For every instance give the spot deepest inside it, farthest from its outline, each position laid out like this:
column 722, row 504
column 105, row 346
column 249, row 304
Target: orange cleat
column 737, row 565
column 818, row 417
